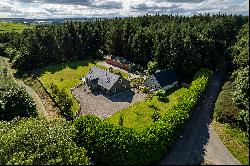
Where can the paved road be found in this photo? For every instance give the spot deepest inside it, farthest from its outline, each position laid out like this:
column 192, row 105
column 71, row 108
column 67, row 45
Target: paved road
column 198, row 142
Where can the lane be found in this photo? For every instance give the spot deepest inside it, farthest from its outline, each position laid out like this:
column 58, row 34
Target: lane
column 198, row 142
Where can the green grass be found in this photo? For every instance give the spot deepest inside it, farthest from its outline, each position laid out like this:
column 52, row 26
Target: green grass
column 67, row 75
column 138, row 116
column 235, row 140
column 14, row 27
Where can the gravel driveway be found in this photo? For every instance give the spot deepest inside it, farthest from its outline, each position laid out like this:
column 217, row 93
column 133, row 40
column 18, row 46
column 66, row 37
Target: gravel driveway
column 104, row 106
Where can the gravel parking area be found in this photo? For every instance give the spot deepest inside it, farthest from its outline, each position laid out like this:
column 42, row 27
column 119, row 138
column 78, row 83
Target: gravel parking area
column 103, row 106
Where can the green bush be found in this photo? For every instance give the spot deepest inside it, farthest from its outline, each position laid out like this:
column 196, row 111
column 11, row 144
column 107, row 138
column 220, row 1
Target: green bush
column 63, row 99
column 39, row 142
column 11, row 52
column 110, row 144
column 225, row 110
column 162, row 95
column 243, row 120
column 152, row 67
column 241, row 87
column 145, row 89
column 17, row 102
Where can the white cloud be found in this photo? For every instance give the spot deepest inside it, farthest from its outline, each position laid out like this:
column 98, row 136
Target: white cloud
column 112, row 8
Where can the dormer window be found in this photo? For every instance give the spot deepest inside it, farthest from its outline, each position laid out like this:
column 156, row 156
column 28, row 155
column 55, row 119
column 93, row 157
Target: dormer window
column 90, row 72
column 152, row 79
column 120, row 80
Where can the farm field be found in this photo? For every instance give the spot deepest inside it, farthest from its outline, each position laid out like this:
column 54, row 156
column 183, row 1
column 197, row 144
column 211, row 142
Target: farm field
column 14, row 27
column 138, row 116
column 68, row 75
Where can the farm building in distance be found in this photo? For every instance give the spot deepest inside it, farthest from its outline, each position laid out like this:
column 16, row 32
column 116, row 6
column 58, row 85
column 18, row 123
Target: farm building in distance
column 162, row 79
column 119, row 62
column 105, row 81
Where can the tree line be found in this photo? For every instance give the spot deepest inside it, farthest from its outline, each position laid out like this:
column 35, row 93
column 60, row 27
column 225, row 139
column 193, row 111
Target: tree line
column 182, row 43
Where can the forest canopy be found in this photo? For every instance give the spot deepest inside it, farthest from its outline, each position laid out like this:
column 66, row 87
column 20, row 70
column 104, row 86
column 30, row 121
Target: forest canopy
column 182, row 43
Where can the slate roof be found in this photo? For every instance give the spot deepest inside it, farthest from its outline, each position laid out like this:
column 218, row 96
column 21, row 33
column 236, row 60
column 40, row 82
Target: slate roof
column 165, row 77
column 104, row 78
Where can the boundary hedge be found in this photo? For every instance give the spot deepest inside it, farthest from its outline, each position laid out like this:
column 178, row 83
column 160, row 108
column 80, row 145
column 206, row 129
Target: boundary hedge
column 110, row 144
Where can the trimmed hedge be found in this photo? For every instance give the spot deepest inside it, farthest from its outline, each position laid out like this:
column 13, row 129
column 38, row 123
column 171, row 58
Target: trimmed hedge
column 110, row 144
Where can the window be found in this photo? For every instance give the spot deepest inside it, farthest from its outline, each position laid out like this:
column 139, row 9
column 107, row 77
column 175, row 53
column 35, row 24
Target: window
column 152, row 79
column 124, row 86
column 120, row 80
column 114, row 90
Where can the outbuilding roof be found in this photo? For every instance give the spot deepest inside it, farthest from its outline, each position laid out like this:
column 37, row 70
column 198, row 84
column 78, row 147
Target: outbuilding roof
column 165, row 77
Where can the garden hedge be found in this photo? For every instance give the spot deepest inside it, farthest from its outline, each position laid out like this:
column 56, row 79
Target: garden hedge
column 111, row 144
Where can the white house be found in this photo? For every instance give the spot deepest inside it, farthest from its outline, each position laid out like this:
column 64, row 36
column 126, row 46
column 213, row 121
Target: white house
column 162, row 79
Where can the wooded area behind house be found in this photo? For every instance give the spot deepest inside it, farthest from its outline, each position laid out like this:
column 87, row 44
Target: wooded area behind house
column 184, row 44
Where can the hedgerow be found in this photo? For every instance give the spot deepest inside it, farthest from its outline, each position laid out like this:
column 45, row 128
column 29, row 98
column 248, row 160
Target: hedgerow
column 110, row 144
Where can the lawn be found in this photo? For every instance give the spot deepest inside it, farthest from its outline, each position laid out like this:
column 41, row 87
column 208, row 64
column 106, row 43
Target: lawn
column 138, row 116
column 235, row 140
column 67, row 75
column 14, row 27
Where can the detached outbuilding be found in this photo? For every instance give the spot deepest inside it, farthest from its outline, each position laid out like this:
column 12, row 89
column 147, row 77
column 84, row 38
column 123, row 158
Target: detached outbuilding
column 105, row 81
column 161, row 79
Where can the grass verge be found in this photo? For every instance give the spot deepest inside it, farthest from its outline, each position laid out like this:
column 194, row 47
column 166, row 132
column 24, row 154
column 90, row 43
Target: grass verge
column 235, row 140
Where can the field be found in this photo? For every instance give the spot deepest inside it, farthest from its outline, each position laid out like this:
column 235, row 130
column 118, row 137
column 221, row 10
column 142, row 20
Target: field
column 67, row 75
column 138, row 116
column 14, row 27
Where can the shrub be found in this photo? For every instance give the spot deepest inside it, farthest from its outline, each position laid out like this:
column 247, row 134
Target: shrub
column 241, row 88
column 63, row 99
column 17, row 102
column 111, row 144
column 39, row 142
column 145, row 89
column 243, row 119
column 225, row 110
column 11, row 52
column 152, row 67
column 162, row 95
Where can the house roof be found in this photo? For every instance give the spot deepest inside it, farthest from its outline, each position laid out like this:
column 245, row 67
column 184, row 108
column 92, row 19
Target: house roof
column 165, row 77
column 104, row 78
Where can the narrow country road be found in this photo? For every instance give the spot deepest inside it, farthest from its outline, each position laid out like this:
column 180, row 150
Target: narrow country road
column 198, row 142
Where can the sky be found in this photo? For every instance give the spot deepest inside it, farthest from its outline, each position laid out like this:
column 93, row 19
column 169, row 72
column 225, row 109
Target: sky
column 117, row 8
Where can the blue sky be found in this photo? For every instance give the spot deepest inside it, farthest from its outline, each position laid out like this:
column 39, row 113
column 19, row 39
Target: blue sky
column 116, row 8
